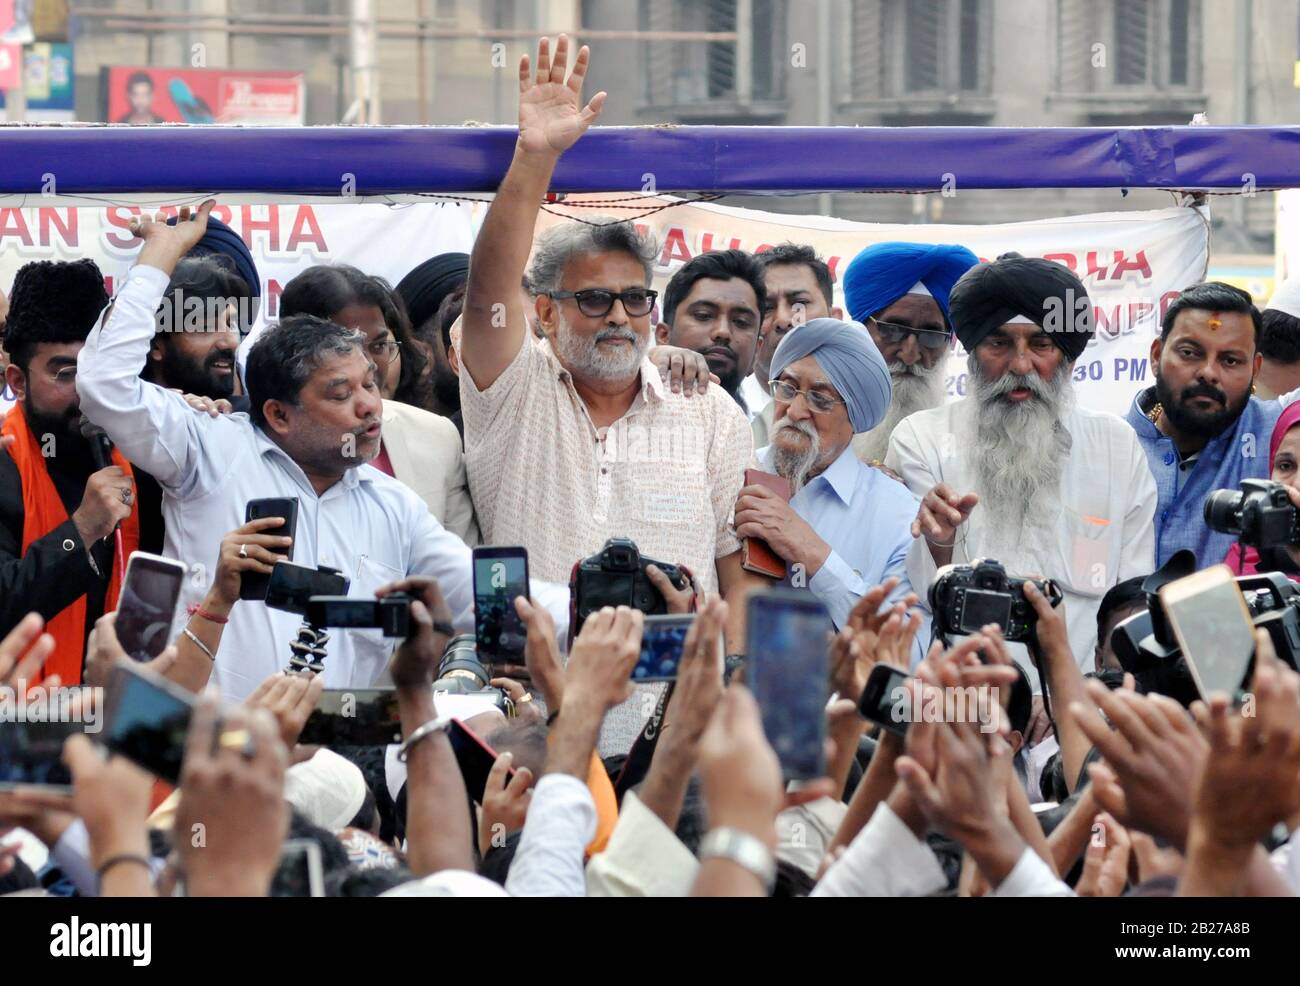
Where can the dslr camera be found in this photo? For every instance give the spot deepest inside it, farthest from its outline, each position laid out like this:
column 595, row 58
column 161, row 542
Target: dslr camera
column 964, row 598
column 1261, row 515
column 391, row 615
column 615, row 576
column 460, row 672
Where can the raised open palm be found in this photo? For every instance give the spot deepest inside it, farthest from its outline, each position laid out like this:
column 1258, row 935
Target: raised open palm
column 551, row 114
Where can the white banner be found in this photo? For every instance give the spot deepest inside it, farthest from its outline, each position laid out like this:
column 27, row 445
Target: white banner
column 1132, row 264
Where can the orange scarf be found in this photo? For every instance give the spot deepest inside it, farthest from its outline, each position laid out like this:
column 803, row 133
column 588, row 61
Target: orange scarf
column 43, row 511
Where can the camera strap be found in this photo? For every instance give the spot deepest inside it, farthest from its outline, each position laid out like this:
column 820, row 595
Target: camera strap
column 638, row 760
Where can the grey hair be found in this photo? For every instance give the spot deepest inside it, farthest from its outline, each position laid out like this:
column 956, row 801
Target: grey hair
column 600, row 234
column 286, row 354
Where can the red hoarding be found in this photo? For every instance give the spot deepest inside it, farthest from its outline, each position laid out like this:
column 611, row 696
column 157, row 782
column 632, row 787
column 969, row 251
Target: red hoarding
column 142, row 95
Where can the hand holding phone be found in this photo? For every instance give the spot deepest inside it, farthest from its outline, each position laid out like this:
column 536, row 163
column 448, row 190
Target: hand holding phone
column 253, row 585
column 788, row 634
column 475, row 758
column 146, row 606
column 1209, row 617
column 500, row 576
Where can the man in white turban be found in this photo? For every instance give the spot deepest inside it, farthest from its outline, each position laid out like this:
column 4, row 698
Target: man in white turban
column 847, row 526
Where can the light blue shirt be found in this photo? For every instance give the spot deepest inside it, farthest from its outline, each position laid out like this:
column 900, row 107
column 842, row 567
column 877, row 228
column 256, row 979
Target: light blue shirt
column 866, row 518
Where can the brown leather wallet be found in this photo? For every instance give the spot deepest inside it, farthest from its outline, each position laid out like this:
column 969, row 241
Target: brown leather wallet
column 756, row 555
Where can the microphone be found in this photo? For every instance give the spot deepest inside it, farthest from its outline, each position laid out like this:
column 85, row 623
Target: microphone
column 101, row 447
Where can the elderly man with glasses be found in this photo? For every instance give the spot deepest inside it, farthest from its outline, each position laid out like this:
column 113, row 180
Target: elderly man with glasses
column 900, row 292
column 847, row 526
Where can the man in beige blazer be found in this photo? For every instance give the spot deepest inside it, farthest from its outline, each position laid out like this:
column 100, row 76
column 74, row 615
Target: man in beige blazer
column 425, row 452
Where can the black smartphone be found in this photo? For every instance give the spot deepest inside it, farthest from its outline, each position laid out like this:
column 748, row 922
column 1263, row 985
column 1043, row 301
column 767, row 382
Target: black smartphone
column 391, row 615
column 292, row 586
column 253, row 585
column 31, row 755
column 354, row 717
column 475, row 758
column 662, row 640
column 788, row 634
column 147, row 604
column 147, row 721
column 886, row 701
column 500, row 574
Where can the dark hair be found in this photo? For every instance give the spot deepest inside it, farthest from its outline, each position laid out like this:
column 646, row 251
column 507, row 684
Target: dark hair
column 364, row 819
column 366, row 883
column 333, row 855
column 285, row 356
column 1211, row 296
column 136, row 78
column 448, row 312
column 370, row 761
column 800, row 253
column 325, row 290
column 1279, row 337
column 719, row 265
column 211, row 278
column 495, row 865
column 525, row 738
column 1118, row 596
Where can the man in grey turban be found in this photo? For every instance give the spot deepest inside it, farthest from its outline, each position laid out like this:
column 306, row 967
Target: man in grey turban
column 846, row 528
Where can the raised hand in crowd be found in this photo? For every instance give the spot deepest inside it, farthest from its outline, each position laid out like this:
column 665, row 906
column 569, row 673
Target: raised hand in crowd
column 1251, row 778
column 684, row 370
column 939, row 517
column 111, row 796
column 438, row 832
column 695, row 697
column 166, row 243
column 542, row 652
column 740, row 779
column 1062, row 679
column 505, row 802
column 23, row 651
column 232, row 818
column 105, row 503
column 104, row 650
column 1106, row 861
column 291, row 699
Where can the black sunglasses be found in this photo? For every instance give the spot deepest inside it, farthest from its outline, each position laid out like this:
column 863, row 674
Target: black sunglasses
column 892, row 333
column 597, row 302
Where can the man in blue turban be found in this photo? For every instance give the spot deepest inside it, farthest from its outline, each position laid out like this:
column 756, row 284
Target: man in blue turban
column 846, row 528
column 899, row 291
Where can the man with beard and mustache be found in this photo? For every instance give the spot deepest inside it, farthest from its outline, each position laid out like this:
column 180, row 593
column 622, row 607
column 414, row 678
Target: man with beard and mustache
column 195, row 346
column 575, row 438
column 58, row 510
column 900, row 292
column 714, row 306
column 797, row 289
column 1016, row 471
column 313, row 425
column 1199, row 425
column 847, row 525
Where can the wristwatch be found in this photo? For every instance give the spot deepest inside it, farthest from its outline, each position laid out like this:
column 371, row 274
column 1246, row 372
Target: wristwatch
column 744, row 850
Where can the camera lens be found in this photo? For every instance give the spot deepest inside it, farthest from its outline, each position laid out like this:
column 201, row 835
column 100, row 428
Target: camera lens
column 1223, row 510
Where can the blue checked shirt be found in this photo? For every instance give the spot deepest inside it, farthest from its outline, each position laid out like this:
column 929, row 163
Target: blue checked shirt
column 1239, row 453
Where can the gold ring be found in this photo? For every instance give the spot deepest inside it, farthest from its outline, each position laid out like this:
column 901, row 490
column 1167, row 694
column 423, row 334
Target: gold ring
column 239, row 740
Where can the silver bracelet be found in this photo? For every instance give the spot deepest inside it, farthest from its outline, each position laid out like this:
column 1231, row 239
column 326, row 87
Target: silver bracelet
column 743, row 849
column 439, row 725
column 193, row 638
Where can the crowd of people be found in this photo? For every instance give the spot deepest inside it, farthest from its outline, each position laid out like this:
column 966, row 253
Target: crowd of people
column 539, row 393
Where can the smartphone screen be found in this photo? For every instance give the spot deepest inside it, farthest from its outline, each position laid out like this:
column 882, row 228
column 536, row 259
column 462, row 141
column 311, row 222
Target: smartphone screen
column 252, row 585
column 354, row 717
column 474, row 756
column 788, row 639
column 885, row 700
column 1213, row 627
column 148, row 719
column 500, row 574
column 147, row 604
column 662, row 641
column 31, row 753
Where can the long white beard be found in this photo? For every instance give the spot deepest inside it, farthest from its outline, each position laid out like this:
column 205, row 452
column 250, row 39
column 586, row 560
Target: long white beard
column 915, row 389
column 582, row 355
column 795, row 466
column 1018, row 450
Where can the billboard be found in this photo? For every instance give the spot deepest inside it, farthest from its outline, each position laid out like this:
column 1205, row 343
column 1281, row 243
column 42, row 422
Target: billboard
column 139, row 94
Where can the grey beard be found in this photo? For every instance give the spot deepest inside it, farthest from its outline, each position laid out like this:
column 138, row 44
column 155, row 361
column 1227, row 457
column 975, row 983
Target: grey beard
column 1018, row 451
column 580, row 353
column 795, row 466
column 915, row 389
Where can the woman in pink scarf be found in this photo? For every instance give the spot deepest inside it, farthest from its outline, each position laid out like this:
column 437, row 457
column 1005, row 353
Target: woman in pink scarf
column 1284, row 460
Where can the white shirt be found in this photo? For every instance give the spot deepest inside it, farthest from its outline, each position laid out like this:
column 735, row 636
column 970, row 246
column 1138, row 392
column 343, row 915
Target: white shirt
column 1106, row 532
column 368, row 525
column 561, row 824
column 754, row 396
column 643, row 858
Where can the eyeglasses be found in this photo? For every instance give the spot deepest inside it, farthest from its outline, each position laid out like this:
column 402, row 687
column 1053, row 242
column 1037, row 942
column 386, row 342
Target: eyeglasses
column 819, row 403
column 893, row 333
column 384, row 350
column 597, row 302
column 64, row 377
